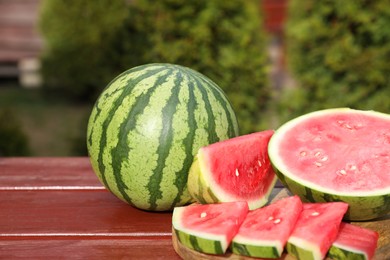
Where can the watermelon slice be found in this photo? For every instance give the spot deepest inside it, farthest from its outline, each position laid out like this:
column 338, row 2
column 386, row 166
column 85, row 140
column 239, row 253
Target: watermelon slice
column 265, row 231
column 354, row 242
column 237, row 169
column 316, row 229
column 337, row 154
column 208, row 228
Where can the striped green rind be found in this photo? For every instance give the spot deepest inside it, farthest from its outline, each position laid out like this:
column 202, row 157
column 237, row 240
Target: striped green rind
column 255, row 250
column 146, row 127
column 302, row 253
column 360, row 207
column 339, row 253
column 200, row 244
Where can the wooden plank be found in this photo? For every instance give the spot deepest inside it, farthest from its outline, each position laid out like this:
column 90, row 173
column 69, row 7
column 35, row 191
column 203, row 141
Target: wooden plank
column 86, row 214
column 57, row 208
column 122, row 248
column 28, row 173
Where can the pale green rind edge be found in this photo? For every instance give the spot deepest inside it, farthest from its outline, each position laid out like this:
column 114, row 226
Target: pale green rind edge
column 360, row 208
column 255, row 250
column 197, row 187
column 336, row 253
column 299, row 252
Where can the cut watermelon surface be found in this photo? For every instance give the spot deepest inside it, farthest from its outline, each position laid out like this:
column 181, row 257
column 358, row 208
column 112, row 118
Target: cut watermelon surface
column 265, row 231
column 354, row 243
column 316, row 229
column 208, row 228
column 336, row 155
column 237, row 169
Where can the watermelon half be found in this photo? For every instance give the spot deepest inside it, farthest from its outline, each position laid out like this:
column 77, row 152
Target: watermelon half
column 237, row 169
column 265, row 231
column 354, row 242
column 336, row 154
column 316, row 229
column 208, row 228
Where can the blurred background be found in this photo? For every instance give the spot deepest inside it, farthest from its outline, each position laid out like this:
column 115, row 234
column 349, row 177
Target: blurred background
column 275, row 59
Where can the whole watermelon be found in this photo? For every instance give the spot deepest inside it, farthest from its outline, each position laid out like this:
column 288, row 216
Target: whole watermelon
column 146, row 127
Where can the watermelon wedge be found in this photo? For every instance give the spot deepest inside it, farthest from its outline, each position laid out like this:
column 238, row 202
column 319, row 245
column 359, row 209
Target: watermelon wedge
column 265, row 231
column 208, row 228
column 316, row 229
column 354, row 243
column 237, row 169
column 336, row 154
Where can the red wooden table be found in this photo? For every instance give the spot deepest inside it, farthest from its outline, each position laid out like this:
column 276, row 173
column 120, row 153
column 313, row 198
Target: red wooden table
column 56, row 208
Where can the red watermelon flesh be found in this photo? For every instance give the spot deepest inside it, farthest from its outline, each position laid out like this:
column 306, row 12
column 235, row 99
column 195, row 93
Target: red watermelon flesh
column 353, row 241
column 265, row 231
column 350, row 151
column 337, row 154
column 316, row 229
column 209, row 228
column 237, row 169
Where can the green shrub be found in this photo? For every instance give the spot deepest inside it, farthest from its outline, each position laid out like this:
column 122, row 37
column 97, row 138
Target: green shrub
column 222, row 39
column 84, row 44
column 90, row 42
column 13, row 141
column 339, row 54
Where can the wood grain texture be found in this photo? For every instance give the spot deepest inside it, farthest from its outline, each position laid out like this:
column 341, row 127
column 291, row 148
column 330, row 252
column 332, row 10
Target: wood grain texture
column 76, row 213
column 73, row 248
column 56, row 208
column 29, row 173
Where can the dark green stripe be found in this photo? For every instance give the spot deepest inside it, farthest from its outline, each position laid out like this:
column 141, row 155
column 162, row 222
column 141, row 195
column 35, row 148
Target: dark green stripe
column 211, row 128
column 128, row 86
column 148, row 68
column 218, row 248
column 98, row 111
column 309, row 195
column 165, row 142
column 181, row 179
column 240, row 249
column 340, row 253
column 121, row 151
column 194, row 243
column 220, row 96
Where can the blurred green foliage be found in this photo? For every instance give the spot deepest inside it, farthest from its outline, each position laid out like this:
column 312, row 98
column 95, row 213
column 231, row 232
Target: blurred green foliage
column 339, row 53
column 90, row 42
column 82, row 47
column 222, row 39
column 13, row 141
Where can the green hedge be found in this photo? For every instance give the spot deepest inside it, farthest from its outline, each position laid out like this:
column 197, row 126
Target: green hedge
column 339, row 54
column 221, row 39
column 90, row 42
column 83, row 45
column 13, row 141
